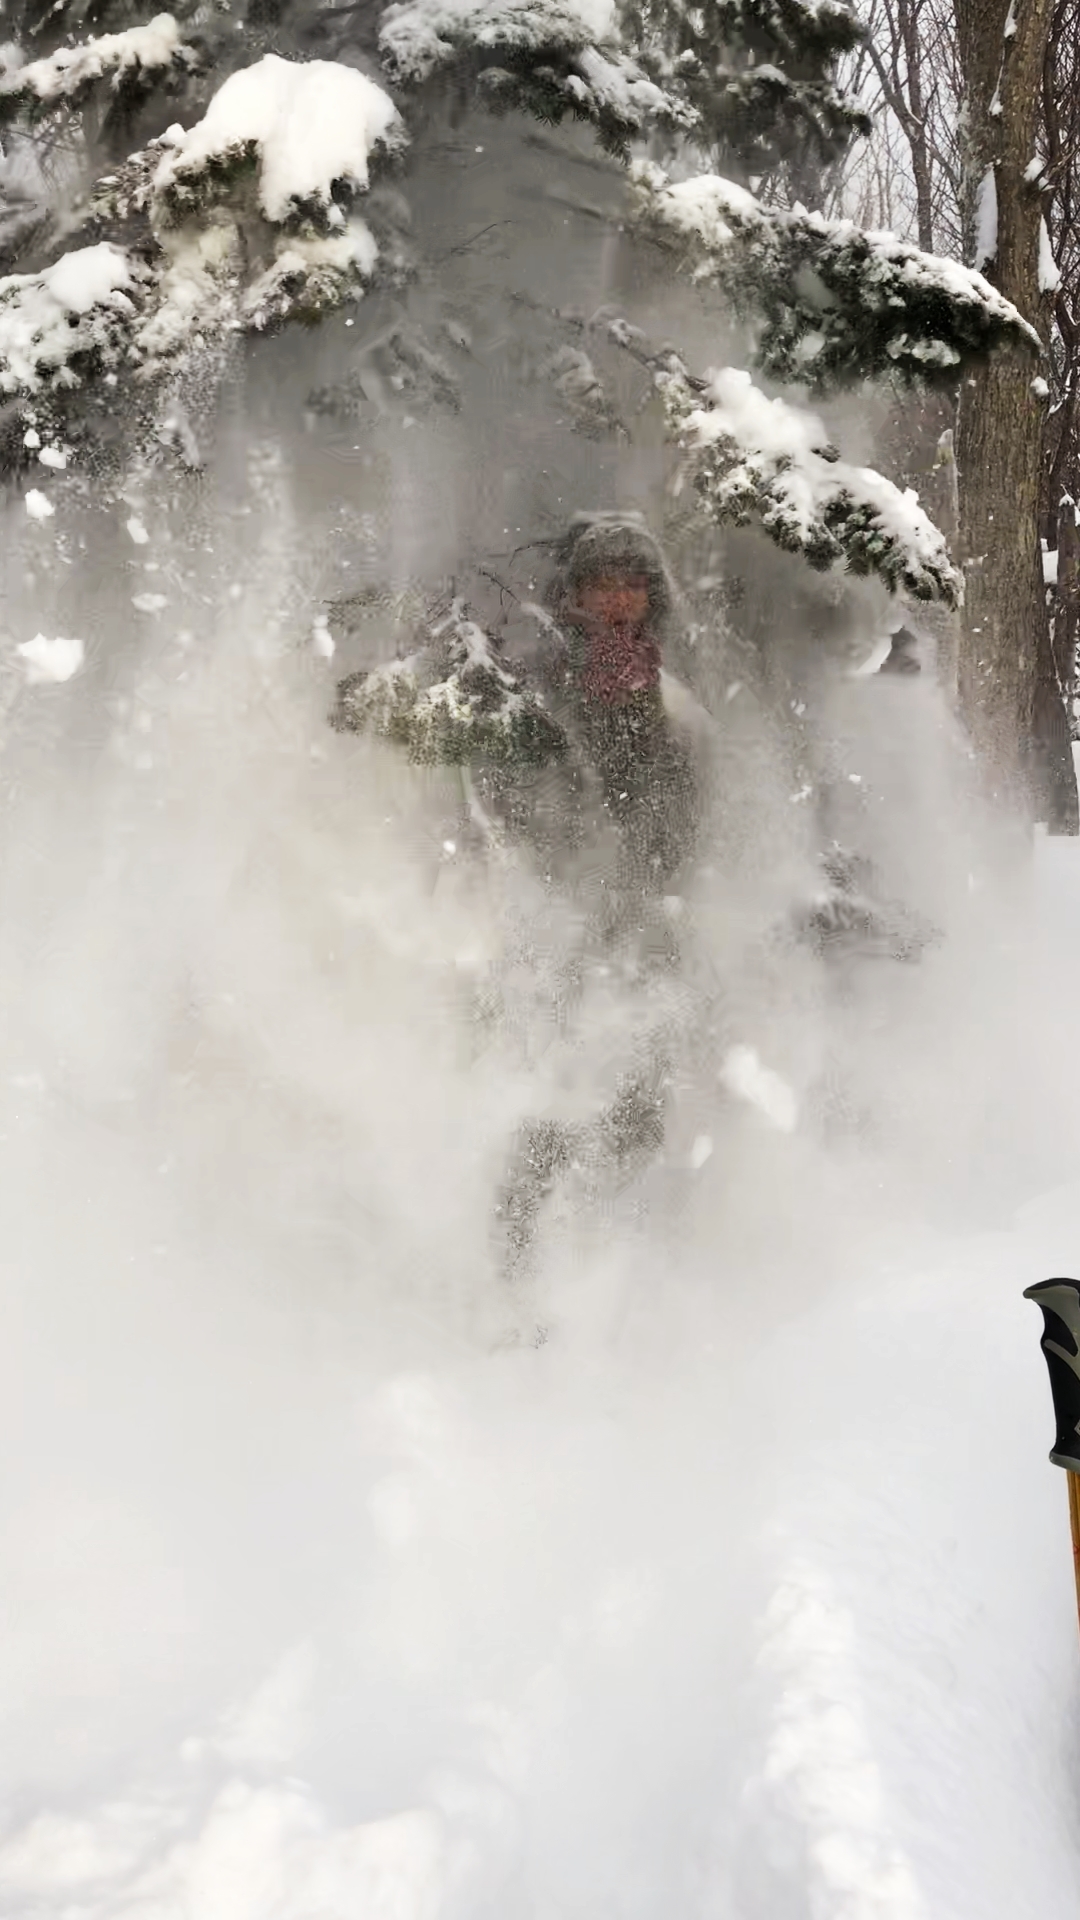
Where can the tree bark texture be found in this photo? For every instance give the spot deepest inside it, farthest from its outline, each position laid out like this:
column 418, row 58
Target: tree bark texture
column 1005, row 637
column 1054, row 684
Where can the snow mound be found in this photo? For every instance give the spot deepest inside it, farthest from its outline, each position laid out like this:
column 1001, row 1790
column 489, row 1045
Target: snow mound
column 259, row 1850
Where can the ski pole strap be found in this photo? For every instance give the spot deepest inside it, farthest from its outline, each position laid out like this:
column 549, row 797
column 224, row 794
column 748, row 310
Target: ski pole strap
column 1060, row 1303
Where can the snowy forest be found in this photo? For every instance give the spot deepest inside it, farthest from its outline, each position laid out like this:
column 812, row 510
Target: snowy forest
column 540, row 879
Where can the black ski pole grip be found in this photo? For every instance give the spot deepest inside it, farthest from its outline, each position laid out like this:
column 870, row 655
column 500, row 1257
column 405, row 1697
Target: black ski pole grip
column 1060, row 1303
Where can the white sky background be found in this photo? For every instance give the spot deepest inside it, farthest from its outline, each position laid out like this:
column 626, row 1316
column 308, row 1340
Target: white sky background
column 875, row 187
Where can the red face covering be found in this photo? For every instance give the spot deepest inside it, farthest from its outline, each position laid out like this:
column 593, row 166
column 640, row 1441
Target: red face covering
column 620, row 661
column 622, row 657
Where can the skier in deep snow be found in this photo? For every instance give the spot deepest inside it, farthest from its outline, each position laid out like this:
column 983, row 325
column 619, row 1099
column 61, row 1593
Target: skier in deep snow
column 639, row 775
column 606, row 793
column 604, row 769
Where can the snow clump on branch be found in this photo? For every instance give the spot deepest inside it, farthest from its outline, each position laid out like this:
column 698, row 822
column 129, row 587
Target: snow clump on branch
column 307, row 125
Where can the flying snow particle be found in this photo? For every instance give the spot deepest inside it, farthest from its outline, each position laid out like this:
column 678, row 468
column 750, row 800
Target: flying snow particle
column 54, row 457
column 148, row 602
column 137, row 531
column 700, row 1152
column 50, row 660
column 38, row 506
column 744, row 1075
column 322, row 640
column 31, row 438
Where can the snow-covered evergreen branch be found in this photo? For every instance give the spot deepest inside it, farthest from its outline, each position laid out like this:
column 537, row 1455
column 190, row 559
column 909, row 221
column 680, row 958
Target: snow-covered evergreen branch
column 74, row 318
column 246, row 221
column 548, row 57
column 759, row 74
column 836, row 304
column 66, row 76
column 752, row 458
column 308, row 128
column 452, row 702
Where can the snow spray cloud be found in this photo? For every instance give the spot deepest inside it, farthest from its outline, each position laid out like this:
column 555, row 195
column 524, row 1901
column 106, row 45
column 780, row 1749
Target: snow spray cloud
column 327, row 1591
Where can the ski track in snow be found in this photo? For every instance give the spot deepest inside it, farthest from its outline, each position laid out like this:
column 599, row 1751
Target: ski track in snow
column 746, row 1596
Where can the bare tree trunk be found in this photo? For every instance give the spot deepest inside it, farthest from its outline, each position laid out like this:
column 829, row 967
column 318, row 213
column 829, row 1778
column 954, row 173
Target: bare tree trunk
column 1000, row 423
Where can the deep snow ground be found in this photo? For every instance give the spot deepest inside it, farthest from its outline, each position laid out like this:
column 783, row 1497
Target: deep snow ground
column 747, row 1596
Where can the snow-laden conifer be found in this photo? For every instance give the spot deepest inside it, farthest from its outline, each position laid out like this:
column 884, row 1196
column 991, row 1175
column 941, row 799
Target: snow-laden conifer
column 255, row 208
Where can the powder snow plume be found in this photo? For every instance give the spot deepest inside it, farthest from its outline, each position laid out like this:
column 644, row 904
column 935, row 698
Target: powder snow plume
column 715, row 1574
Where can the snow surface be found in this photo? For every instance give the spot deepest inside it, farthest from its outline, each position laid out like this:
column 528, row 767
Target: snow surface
column 312, row 123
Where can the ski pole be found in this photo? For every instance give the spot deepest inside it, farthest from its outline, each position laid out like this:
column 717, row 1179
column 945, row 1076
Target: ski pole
column 1060, row 1303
